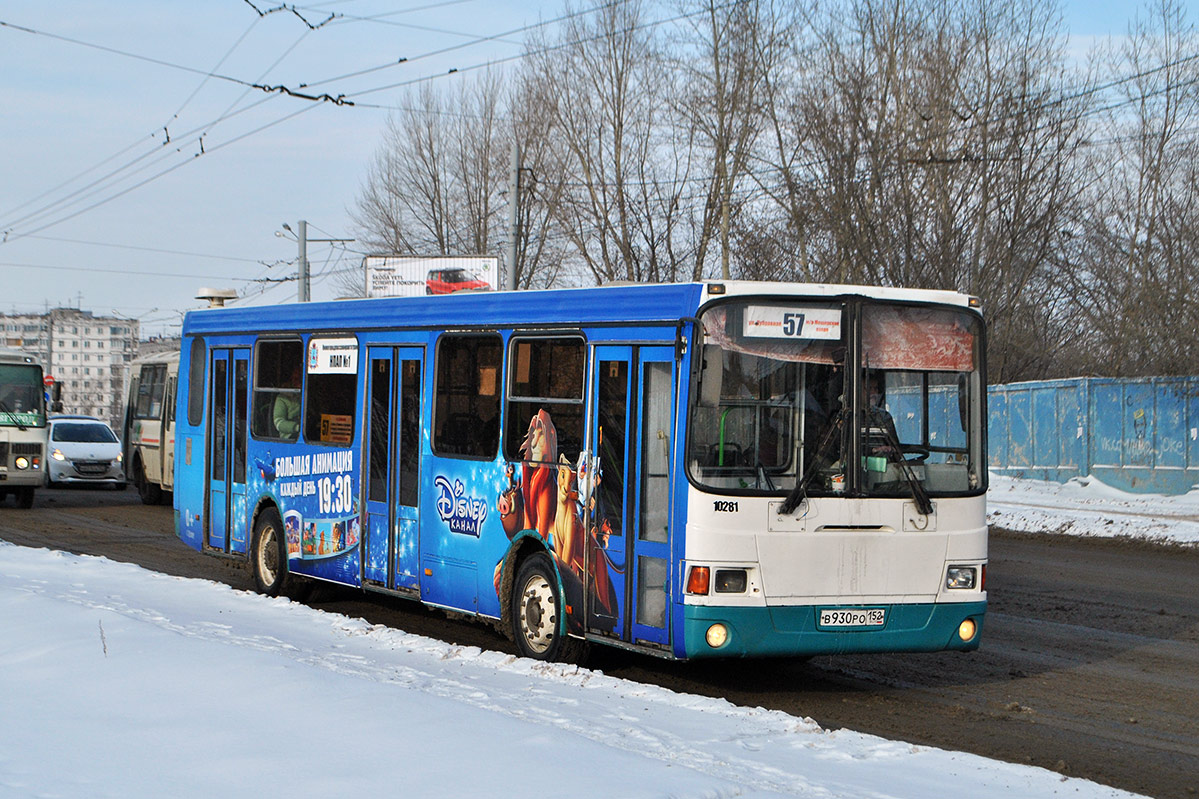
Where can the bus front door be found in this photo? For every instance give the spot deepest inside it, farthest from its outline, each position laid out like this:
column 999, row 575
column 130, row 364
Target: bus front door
column 628, row 573
column 167, row 477
column 228, row 405
column 392, row 468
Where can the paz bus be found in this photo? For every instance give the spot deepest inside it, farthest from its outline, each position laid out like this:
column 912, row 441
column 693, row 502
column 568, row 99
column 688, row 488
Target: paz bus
column 719, row 469
column 149, row 425
column 22, row 426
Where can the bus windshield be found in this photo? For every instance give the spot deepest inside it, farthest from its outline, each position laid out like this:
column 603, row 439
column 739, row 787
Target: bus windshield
column 22, row 403
column 776, row 407
column 771, row 395
column 920, row 417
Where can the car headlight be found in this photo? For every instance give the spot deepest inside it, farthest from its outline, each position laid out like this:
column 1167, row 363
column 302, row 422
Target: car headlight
column 120, row 457
column 57, row 455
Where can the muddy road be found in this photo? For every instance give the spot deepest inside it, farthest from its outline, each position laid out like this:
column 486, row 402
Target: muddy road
column 1089, row 664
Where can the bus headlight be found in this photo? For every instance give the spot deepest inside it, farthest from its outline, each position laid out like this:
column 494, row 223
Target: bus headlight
column 730, row 581
column 717, row 636
column 967, row 629
column 960, row 577
column 57, row 455
column 21, row 462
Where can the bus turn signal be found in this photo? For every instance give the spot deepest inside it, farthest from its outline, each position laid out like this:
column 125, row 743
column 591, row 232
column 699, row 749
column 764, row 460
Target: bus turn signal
column 697, row 580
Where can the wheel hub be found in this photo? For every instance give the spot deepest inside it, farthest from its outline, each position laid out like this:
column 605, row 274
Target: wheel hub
column 537, row 614
column 268, row 555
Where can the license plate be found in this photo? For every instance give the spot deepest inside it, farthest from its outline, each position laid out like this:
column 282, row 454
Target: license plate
column 853, row 617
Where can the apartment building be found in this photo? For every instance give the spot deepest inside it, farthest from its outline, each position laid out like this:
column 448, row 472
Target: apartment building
column 86, row 354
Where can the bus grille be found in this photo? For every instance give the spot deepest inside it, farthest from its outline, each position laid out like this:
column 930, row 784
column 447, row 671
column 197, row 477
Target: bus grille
column 26, row 448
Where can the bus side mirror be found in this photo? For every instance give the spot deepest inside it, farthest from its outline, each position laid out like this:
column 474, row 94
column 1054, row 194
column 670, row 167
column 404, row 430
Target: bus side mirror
column 711, row 376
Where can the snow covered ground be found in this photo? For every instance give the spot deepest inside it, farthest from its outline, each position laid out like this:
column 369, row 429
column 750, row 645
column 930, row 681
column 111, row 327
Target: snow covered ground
column 1085, row 506
column 120, row 682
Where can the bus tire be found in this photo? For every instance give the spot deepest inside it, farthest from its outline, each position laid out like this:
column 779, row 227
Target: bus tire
column 538, row 614
column 150, row 493
column 268, row 553
column 25, row 497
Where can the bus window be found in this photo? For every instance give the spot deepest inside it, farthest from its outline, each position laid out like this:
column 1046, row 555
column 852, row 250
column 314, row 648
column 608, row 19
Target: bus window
column 467, row 403
column 149, row 391
column 277, row 381
column 195, row 379
column 780, row 392
column 922, row 401
column 545, row 399
column 330, row 403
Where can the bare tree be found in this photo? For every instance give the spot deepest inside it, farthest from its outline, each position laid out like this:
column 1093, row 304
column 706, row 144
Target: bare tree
column 542, row 252
column 725, row 56
column 926, row 143
column 433, row 186
column 1138, row 294
column 601, row 82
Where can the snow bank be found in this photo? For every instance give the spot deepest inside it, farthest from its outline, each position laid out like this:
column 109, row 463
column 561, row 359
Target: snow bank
column 1087, row 506
column 117, row 682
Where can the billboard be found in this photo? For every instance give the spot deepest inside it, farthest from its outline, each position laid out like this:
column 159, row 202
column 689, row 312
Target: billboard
column 407, row 276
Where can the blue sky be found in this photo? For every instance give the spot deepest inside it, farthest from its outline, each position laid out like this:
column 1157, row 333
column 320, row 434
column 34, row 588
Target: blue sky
column 239, row 163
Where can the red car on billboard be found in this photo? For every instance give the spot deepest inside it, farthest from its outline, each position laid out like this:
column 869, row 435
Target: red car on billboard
column 447, row 281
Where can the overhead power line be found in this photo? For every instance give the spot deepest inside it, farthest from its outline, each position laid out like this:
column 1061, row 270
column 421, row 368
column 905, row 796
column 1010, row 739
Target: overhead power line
column 108, row 271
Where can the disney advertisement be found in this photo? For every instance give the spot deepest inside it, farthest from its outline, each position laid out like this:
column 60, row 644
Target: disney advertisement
column 558, row 501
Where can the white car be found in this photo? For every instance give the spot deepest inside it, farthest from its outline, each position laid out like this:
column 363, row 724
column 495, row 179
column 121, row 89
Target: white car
column 84, row 449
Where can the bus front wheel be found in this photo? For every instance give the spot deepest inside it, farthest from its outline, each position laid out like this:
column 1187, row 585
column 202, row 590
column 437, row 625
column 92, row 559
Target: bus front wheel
column 25, row 497
column 537, row 609
column 268, row 556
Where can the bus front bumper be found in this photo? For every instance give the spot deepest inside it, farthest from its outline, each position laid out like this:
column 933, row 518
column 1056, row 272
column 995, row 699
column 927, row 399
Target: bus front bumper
column 796, row 630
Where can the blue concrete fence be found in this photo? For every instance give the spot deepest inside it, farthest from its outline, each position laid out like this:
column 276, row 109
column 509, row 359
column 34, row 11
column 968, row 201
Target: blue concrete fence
column 1138, row 434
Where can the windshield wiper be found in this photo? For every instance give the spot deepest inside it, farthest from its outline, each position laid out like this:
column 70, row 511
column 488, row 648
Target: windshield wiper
column 762, row 476
column 792, row 501
column 923, row 503
column 4, row 407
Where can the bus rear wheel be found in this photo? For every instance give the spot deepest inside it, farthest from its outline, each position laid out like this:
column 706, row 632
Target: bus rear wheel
column 268, row 556
column 150, row 493
column 538, row 614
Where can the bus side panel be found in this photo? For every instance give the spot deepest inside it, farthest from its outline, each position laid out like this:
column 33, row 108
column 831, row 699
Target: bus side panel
column 459, row 549
column 678, row 517
column 316, row 486
column 316, row 489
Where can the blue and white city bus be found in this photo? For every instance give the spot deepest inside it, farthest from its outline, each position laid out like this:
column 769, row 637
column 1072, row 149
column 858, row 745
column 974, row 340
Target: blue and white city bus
column 715, row 469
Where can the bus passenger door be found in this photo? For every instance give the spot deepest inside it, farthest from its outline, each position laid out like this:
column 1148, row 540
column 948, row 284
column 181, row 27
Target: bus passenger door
column 628, row 572
column 228, row 404
column 167, row 477
column 392, row 466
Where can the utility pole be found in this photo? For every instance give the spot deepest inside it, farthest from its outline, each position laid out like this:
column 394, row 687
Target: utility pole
column 513, row 219
column 302, row 238
column 304, row 293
